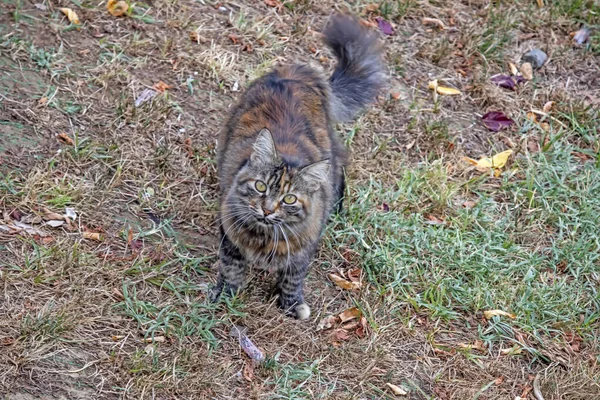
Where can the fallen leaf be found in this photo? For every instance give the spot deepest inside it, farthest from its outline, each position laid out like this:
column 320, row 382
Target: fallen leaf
column 496, row 162
column 327, row 323
column 507, row 82
column 235, row 39
column 527, row 71
column 273, row 3
column 433, row 85
column 246, row 344
column 92, row 236
column 469, row 204
column 496, row 121
column 533, row 145
column 512, row 351
column 548, row 106
column 355, row 274
column 361, row 331
column 492, row 313
column 540, row 3
column 343, row 283
column 116, row 338
column 341, row 334
column 248, row 372
column 395, row 95
column 117, row 8
column 349, row 314
column 146, row 95
column 155, row 339
column 161, row 86
column 433, row 21
column 384, row 26
column 398, row 391
column 55, row 224
column 433, row 220
column 513, row 69
column 52, row 216
column 499, row 380
column 63, row 137
column 70, row 213
column 581, row 36
column 71, row 15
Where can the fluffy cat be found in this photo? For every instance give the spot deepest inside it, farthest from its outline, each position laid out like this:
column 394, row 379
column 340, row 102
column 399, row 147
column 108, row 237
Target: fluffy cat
column 281, row 163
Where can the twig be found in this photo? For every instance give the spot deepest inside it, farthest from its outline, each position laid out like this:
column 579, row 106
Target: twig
column 536, row 388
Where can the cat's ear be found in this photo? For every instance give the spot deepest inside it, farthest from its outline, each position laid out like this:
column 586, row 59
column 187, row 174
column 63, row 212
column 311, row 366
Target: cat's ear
column 315, row 174
column 264, row 149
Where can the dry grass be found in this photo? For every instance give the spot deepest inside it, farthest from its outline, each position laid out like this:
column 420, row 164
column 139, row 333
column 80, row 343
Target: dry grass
column 126, row 317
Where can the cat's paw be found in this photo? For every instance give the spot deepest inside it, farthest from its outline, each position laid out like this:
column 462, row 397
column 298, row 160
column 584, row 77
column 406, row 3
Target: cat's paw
column 302, row 311
column 222, row 289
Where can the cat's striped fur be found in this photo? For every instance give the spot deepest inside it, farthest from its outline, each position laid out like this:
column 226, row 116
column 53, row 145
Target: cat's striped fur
column 281, row 162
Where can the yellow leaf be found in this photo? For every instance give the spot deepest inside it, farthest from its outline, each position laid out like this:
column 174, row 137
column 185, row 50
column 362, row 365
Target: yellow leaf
column 491, row 313
column 344, row 284
column 433, row 84
column 513, row 69
column 447, row 91
column 527, row 71
column 92, row 236
column 117, row 8
column 349, row 314
column 496, row 162
column 540, row 3
column 71, row 15
column 398, row 391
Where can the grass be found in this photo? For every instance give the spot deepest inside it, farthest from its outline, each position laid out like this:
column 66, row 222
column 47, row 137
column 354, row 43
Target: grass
column 113, row 305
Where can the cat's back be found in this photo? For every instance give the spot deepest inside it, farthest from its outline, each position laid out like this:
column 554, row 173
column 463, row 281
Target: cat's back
column 292, row 103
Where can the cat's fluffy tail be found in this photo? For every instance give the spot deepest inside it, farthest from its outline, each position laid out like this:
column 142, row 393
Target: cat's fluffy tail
column 360, row 71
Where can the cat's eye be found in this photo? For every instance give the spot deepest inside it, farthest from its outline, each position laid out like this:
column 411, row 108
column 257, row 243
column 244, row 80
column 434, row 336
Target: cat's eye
column 289, row 199
column 260, row 186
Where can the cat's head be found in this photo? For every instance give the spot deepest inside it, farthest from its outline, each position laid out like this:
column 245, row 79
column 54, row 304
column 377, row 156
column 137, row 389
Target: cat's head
column 269, row 191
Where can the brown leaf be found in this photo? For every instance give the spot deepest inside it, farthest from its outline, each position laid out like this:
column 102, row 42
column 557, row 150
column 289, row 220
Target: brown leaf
column 361, row 331
column 52, row 216
column 395, row 95
column 118, row 294
column 235, row 39
column 548, row 106
column 469, row 204
column 341, row 334
column 350, row 314
column 63, row 137
column 499, row 381
column 344, row 284
column 327, row 323
column 433, row 220
column 355, row 275
column 92, row 236
column 273, row 3
column 117, row 8
column 161, row 86
column 248, row 372
column 540, row 3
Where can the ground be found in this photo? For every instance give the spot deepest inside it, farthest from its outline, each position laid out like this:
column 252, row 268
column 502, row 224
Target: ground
column 112, row 304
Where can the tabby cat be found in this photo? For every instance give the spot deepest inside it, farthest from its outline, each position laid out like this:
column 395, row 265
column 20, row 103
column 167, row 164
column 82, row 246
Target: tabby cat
column 281, row 163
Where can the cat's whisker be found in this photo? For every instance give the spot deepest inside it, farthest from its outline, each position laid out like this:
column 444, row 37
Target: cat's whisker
column 287, row 244
column 238, row 223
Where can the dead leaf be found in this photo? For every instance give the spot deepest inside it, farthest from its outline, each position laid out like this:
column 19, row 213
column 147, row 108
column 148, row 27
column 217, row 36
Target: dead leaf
column 116, row 338
column 327, row 323
column 515, row 350
column 63, row 137
column 235, row 39
column 349, row 314
column 71, row 15
column 341, row 334
column 499, row 381
column 146, row 95
column 469, row 204
column 55, row 224
column 118, row 295
column 273, row 3
column 52, row 216
column 155, row 339
column 361, row 331
column 548, row 107
column 492, row 313
column 92, row 236
column 496, row 162
column 527, row 71
column 343, row 283
column 117, row 8
column 433, row 85
column 513, row 69
column 496, row 121
column 398, row 391
column 161, row 86
column 433, row 21
column 248, row 372
column 355, row 274
column 395, row 95
column 246, row 344
column 540, row 3
column 433, row 220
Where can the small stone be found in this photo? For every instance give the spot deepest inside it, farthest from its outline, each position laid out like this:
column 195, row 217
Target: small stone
column 535, row 57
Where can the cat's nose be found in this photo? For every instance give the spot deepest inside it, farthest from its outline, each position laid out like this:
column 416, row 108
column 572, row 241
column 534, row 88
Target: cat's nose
column 267, row 212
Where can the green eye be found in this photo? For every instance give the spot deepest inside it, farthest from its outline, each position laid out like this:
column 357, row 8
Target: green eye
column 260, row 186
column 289, row 199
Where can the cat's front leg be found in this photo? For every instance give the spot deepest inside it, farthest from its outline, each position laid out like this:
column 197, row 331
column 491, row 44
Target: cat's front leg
column 290, row 284
column 232, row 271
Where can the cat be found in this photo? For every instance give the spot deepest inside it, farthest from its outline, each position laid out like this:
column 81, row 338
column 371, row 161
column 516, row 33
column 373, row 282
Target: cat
column 281, row 164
